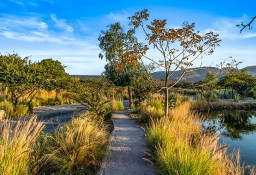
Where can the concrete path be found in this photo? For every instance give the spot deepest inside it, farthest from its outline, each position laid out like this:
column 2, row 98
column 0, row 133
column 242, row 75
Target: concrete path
column 128, row 152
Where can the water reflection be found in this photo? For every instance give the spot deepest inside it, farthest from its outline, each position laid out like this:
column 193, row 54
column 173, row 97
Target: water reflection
column 232, row 124
column 238, row 131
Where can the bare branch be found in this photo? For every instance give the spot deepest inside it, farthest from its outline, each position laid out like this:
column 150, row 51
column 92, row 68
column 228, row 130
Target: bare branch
column 247, row 25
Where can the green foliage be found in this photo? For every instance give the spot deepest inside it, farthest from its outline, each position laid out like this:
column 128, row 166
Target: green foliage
column 21, row 110
column 22, row 79
column 210, row 96
column 142, row 83
column 122, row 51
column 92, row 94
column 174, row 100
column 240, row 81
column 7, row 107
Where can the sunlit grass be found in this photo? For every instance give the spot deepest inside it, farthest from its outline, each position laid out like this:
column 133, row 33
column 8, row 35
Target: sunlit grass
column 180, row 147
column 76, row 147
column 16, row 142
column 117, row 105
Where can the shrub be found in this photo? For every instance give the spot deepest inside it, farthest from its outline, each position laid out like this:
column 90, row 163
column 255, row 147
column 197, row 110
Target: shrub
column 21, row 110
column 77, row 147
column 7, row 107
column 174, row 100
column 16, row 142
column 117, row 105
column 50, row 101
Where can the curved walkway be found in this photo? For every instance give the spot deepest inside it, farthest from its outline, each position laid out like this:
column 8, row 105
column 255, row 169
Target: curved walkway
column 128, row 152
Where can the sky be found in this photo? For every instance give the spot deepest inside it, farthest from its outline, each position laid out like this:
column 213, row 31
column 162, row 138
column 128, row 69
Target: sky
column 68, row 30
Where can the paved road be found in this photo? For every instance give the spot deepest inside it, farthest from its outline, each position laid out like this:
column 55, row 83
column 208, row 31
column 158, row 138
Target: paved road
column 128, row 151
column 53, row 116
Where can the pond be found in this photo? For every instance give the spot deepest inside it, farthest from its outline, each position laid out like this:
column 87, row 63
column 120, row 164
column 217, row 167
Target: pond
column 237, row 129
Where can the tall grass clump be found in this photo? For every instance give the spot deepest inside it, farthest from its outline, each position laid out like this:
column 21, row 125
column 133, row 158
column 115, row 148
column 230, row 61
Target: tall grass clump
column 75, row 148
column 153, row 108
column 180, row 147
column 117, row 105
column 16, row 141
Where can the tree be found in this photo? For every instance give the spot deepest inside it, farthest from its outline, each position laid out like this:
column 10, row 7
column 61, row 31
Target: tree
column 122, row 51
column 178, row 48
column 92, row 94
column 22, row 79
column 141, row 82
column 240, row 81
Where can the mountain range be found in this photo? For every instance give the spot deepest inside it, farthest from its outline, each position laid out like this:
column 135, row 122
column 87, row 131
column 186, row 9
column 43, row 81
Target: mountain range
column 192, row 74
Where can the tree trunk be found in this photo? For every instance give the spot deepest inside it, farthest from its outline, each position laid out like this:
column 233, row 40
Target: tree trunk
column 166, row 96
column 166, row 105
column 130, row 97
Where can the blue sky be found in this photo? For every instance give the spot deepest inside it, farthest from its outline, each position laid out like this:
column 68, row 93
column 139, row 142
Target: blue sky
column 67, row 30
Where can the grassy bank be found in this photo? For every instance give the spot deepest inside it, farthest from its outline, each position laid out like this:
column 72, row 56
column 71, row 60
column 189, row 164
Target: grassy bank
column 179, row 147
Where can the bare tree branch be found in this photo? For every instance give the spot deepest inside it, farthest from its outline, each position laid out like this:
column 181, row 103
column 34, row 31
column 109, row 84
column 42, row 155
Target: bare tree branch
column 247, row 25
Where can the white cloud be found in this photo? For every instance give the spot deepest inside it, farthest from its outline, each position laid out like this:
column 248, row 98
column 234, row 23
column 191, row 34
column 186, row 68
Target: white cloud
column 24, row 2
column 17, row 23
column 61, row 23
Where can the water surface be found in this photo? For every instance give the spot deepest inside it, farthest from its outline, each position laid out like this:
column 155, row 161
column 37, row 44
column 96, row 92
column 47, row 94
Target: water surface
column 237, row 129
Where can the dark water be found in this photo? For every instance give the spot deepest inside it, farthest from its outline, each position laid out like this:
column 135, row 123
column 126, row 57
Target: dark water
column 237, row 129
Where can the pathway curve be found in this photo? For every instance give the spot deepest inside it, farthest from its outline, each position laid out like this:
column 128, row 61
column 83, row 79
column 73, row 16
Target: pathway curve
column 128, row 152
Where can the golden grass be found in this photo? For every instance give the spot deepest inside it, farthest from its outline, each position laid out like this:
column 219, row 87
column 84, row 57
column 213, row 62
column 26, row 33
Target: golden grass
column 180, row 147
column 17, row 139
column 76, row 147
column 117, row 105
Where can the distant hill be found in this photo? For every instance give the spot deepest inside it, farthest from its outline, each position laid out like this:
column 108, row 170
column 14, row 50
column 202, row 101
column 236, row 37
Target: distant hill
column 251, row 69
column 193, row 74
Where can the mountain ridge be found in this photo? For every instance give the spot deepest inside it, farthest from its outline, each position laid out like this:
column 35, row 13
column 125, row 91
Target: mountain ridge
column 192, row 74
